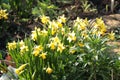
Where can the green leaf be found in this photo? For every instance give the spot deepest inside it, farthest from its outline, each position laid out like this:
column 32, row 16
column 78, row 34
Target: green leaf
column 36, row 11
column 6, row 6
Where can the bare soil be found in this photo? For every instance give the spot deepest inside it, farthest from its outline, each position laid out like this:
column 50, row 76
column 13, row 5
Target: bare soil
column 113, row 22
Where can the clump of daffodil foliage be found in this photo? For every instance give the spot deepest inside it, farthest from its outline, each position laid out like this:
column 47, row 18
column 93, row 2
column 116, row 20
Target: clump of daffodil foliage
column 60, row 52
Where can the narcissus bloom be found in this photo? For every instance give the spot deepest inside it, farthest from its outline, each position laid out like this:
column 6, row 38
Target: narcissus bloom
column 60, row 25
column 12, row 46
column 55, row 39
column 23, row 49
column 60, row 47
column 45, row 19
column 63, row 31
column 54, row 30
column 49, row 70
column 37, row 50
column 52, row 45
column 81, row 44
column 84, row 34
column 21, row 43
column 62, row 18
column 3, row 14
column 71, row 37
column 111, row 36
column 43, row 55
column 35, row 33
column 44, row 32
column 20, row 69
column 72, row 50
column 100, row 25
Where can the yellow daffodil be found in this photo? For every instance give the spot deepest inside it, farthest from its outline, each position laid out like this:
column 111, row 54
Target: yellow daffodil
column 84, row 34
column 100, row 25
column 111, row 36
column 21, row 43
column 77, row 23
column 82, row 26
column 72, row 50
column 45, row 19
column 99, row 20
column 43, row 55
column 12, row 46
column 54, row 30
column 3, row 14
column 59, row 24
column 62, row 18
column 37, row 50
column 71, row 37
column 94, row 32
column 81, row 44
column 77, row 20
column 63, row 31
column 44, row 32
column 23, row 49
column 49, row 70
column 53, row 24
column 35, row 33
column 102, row 31
column 86, row 21
column 19, row 70
column 60, row 47
column 52, row 45
column 22, row 67
column 55, row 39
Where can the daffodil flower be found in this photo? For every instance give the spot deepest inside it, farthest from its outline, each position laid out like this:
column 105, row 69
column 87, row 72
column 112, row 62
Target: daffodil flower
column 43, row 55
column 55, row 39
column 111, row 36
column 23, row 49
column 21, row 43
column 35, row 33
column 81, row 44
column 3, row 14
column 19, row 70
column 44, row 32
column 12, row 46
column 60, row 47
column 63, row 31
column 37, row 50
column 72, row 50
column 49, row 70
column 45, row 19
column 52, row 45
column 62, row 18
column 71, row 37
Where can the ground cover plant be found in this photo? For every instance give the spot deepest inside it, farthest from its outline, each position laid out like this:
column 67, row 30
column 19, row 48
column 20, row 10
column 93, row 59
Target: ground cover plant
column 59, row 51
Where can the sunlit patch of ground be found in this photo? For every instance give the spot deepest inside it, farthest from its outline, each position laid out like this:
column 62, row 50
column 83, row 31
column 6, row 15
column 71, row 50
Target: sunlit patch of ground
column 116, row 46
